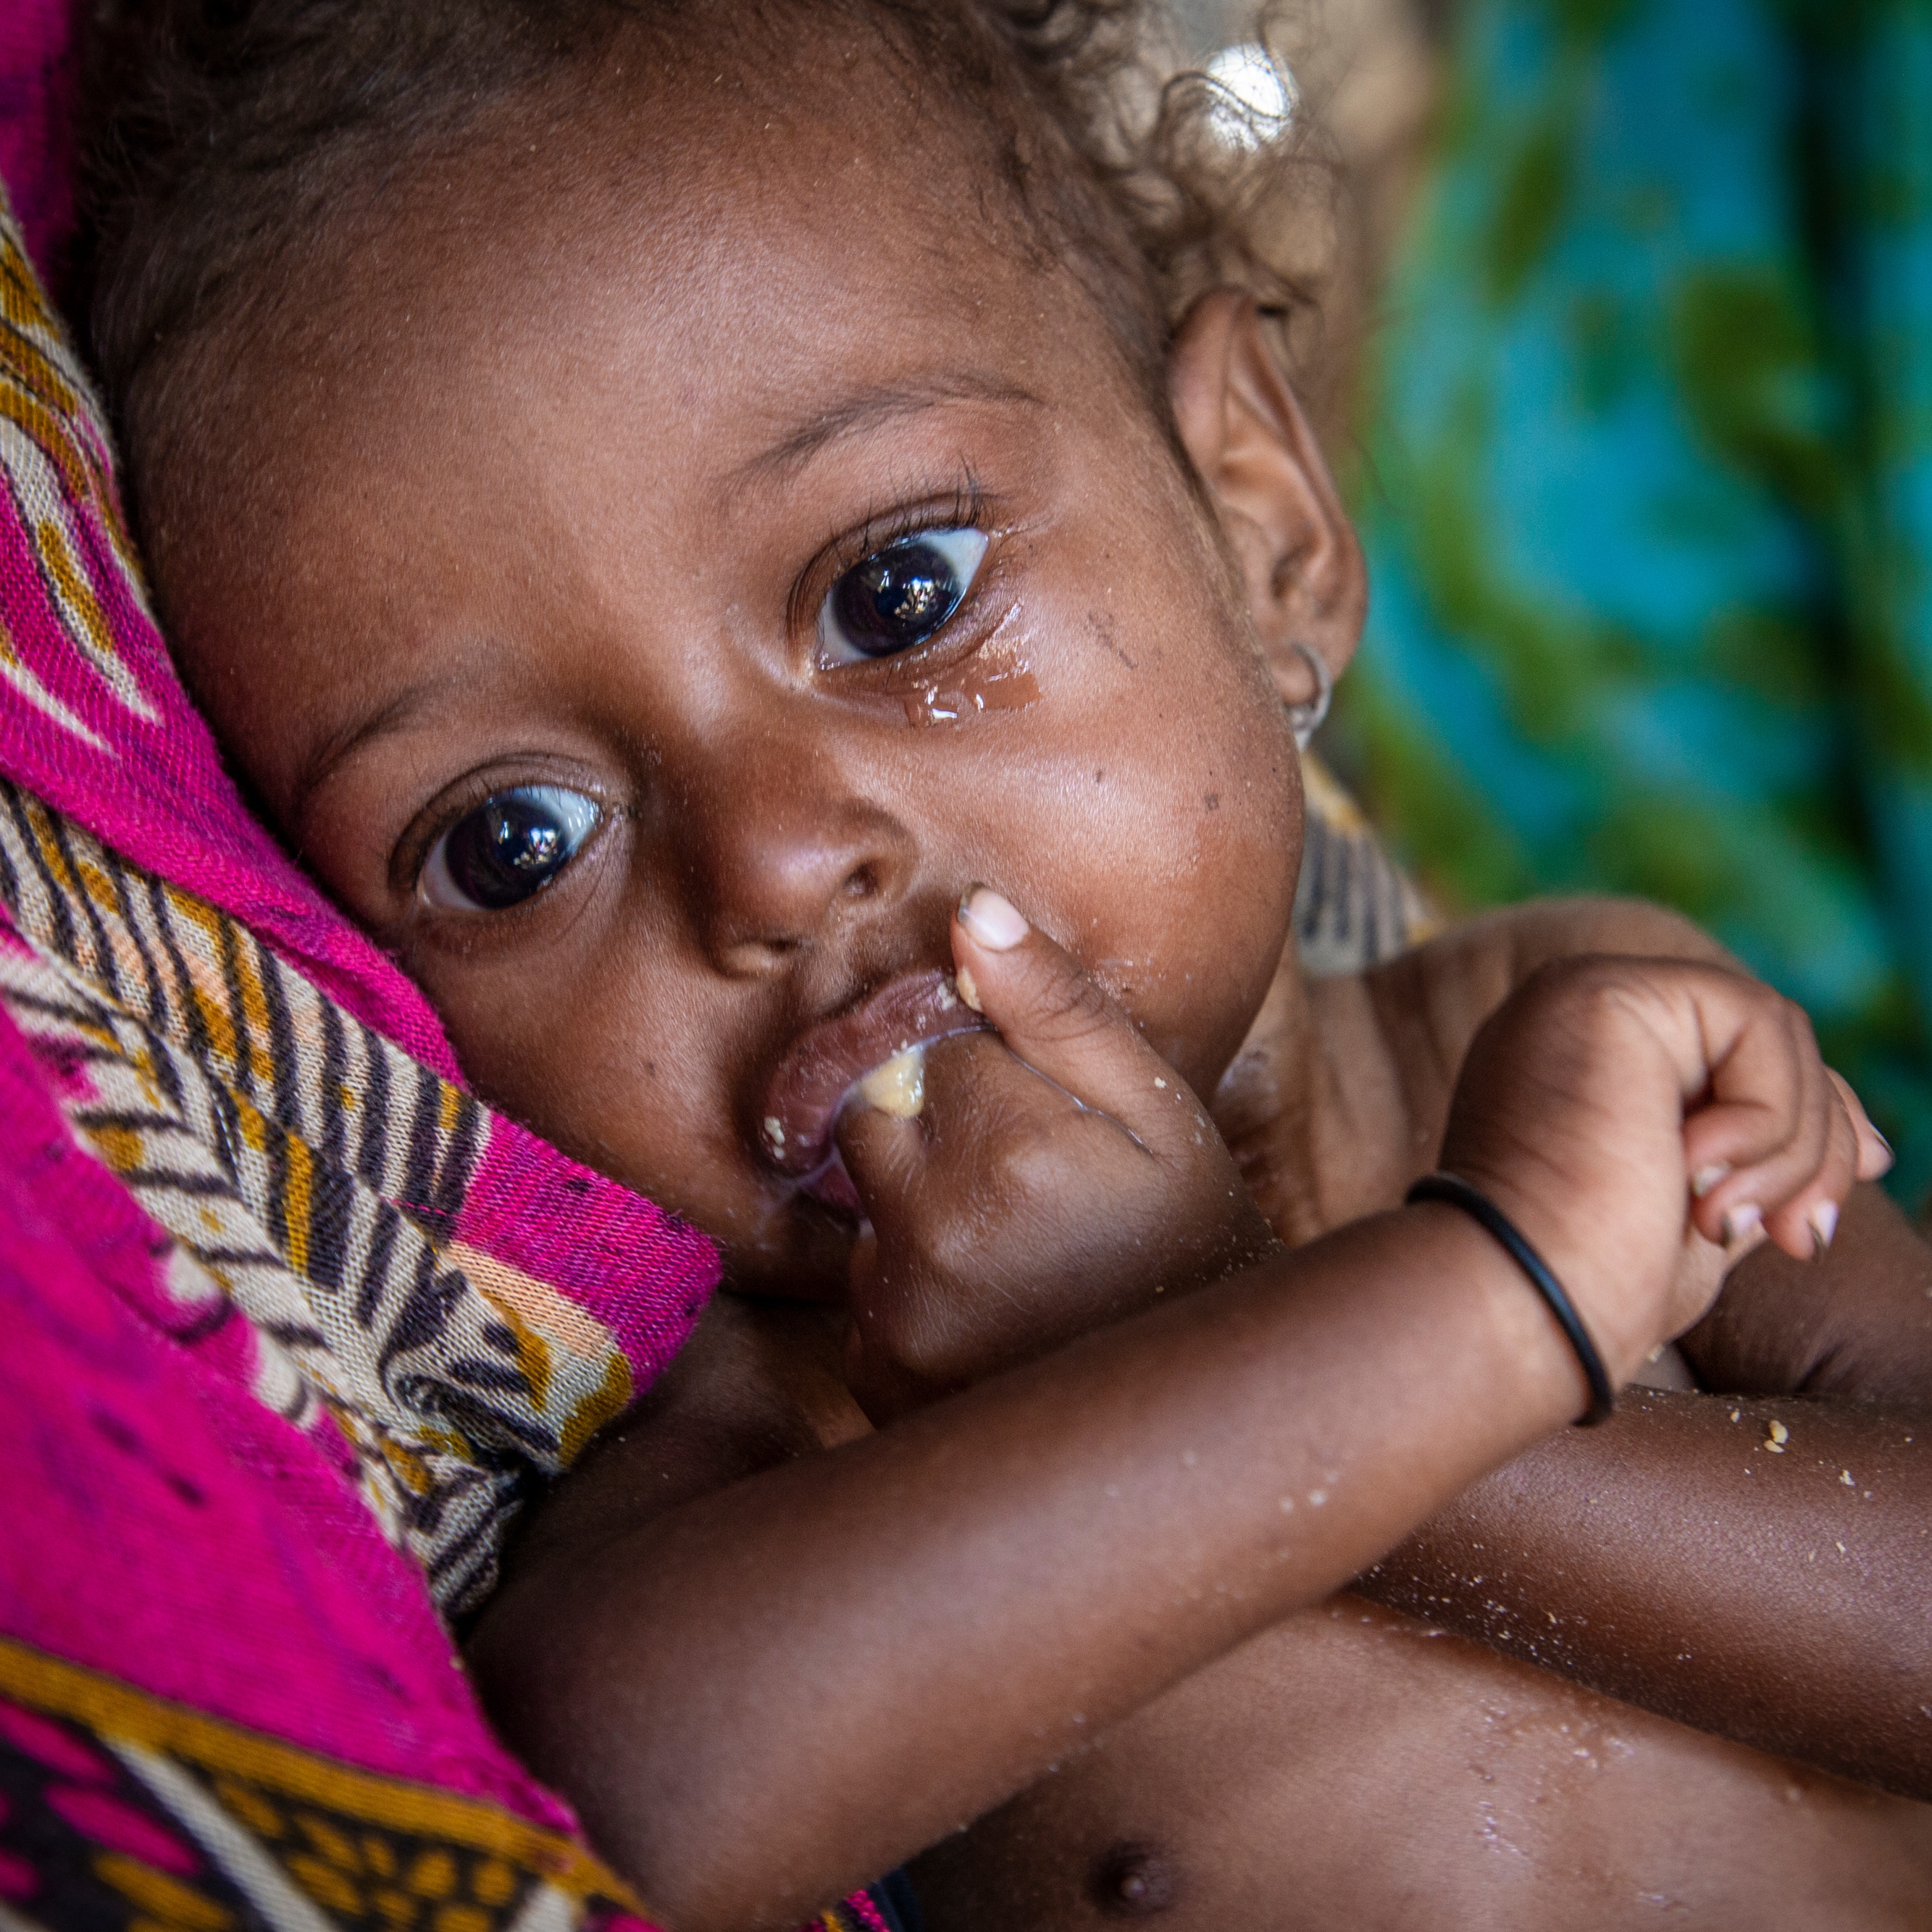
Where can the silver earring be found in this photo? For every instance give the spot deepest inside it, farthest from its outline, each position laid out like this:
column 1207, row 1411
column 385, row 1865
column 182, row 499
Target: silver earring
column 1305, row 720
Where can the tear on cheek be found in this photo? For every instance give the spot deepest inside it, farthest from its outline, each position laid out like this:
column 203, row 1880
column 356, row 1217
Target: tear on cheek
column 973, row 690
column 898, row 1087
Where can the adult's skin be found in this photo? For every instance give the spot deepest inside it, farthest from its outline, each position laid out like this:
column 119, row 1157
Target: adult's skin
column 573, row 526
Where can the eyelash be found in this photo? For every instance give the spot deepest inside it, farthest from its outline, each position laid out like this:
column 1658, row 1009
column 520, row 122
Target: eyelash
column 967, row 508
column 413, row 850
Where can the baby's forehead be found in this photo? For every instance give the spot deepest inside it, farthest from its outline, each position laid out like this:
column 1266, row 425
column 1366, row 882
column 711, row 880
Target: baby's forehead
column 751, row 217
column 638, row 320
column 721, row 249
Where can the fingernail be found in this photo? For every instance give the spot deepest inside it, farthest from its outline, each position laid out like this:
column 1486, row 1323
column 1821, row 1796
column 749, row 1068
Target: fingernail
column 1706, row 1178
column 993, row 921
column 1824, row 1219
column 1746, row 1218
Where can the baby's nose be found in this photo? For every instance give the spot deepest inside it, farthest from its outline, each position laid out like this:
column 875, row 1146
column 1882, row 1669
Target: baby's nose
column 786, row 859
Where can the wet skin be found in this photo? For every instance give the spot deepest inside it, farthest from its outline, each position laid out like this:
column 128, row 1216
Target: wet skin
column 1353, row 1767
column 575, row 526
column 600, row 563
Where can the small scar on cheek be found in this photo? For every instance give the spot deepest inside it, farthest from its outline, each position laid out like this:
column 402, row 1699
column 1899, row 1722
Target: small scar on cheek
column 1212, row 801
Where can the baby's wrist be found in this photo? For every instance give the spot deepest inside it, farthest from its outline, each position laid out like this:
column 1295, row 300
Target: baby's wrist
column 1528, row 1339
column 1451, row 1190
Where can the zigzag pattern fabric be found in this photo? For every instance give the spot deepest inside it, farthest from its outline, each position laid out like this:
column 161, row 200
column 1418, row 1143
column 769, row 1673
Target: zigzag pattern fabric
column 317, row 1193
column 294, row 1322
column 357, row 1207
column 1353, row 906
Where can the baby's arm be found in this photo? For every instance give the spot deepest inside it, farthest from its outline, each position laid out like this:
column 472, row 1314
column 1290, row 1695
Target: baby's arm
column 765, row 1675
column 1674, row 1560
column 765, row 1672
column 1641, row 1559
column 1688, row 1558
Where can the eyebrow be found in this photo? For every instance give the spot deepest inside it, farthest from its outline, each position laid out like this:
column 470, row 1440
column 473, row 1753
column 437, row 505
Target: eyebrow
column 860, row 410
column 865, row 408
column 337, row 750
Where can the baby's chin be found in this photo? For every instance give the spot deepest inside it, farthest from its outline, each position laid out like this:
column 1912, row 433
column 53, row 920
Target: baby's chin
column 801, row 1250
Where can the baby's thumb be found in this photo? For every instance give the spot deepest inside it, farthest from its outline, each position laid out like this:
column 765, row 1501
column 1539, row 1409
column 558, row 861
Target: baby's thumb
column 1057, row 1018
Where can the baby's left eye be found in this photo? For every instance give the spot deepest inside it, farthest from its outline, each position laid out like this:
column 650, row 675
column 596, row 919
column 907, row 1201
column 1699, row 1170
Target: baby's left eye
column 899, row 596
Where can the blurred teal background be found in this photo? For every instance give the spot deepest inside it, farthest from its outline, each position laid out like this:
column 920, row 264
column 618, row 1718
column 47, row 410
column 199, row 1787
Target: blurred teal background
column 1646, row 487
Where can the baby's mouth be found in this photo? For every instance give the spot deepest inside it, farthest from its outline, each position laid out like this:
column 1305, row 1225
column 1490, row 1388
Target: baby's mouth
column 819, row 1069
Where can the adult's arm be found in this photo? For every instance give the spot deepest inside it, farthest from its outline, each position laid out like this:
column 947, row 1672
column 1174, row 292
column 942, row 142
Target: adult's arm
column 1755, row 1561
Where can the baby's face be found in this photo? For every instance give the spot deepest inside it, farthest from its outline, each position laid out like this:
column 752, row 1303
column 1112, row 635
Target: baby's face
column 690, row 548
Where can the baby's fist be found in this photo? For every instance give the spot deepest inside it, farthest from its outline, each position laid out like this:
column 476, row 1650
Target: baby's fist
column 1059, row 1176
column 1644, row 1121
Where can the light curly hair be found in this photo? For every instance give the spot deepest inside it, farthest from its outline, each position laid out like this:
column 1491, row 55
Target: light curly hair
column 228, row 136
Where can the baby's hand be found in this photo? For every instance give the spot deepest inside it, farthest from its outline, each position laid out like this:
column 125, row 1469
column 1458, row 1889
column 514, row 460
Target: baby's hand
column 1060, row 1175
column 1645, row 1122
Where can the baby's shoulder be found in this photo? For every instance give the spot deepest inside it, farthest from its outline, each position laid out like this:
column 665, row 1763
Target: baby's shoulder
column 1459, row 978
column 1416, row 1014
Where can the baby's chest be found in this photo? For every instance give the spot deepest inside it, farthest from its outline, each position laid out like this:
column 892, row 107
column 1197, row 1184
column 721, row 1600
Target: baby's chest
column 1352, row 1769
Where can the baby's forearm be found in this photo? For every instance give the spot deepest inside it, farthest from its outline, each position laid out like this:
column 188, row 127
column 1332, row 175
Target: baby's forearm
column 772, row 1692
column 1765, row 1578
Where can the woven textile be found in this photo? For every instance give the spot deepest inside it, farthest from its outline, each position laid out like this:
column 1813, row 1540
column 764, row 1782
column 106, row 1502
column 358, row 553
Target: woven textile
column 293, row 1322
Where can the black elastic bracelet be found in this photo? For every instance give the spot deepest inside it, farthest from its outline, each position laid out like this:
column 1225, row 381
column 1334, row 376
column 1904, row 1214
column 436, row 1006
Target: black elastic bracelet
column 1478, row 1206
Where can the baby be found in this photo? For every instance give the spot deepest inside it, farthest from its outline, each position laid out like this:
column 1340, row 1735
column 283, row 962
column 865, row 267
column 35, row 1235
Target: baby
column 660, row 501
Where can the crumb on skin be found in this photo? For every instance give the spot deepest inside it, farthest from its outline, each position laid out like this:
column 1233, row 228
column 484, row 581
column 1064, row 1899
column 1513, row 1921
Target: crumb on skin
column 898, row 1087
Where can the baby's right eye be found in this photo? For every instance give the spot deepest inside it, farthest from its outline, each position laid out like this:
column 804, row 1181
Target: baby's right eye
column 508, row 849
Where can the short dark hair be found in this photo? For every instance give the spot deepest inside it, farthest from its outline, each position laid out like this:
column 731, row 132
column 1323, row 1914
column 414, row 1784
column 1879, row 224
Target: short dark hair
column 225, row 133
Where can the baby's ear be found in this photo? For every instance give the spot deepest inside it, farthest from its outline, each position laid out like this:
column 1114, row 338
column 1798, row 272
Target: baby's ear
column 1297, row 550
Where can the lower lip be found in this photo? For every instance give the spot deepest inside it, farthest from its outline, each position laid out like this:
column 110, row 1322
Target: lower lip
column 814, row 1086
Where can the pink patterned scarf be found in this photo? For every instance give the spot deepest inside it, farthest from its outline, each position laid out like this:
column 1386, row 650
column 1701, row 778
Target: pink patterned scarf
column 292, row 1322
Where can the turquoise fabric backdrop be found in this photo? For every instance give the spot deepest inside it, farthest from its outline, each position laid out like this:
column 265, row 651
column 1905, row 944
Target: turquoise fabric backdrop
column 1648, row 495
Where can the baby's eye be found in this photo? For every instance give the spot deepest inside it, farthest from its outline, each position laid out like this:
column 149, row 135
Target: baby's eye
column 900, row 595
column 508, row 849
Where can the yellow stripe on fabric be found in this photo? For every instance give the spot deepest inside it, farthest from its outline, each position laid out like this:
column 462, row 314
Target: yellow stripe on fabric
column 212, row 1006
column 32, row 359
column 21, row 300
column 48, row 434
column 117, row 1711
column 298, row 1195
column 52, row 540
column 254, row 1009
column 27, row 363
column 533, row 1352
column 171, row 1902
column 253, row 1123
column 600, row 1406
column 41, row 820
